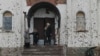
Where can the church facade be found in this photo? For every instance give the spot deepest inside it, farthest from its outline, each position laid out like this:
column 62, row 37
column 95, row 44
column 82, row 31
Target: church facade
column 75, row 24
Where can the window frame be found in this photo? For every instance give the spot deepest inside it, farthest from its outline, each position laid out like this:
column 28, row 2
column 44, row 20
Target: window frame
column 80, row 27
column 7, row 17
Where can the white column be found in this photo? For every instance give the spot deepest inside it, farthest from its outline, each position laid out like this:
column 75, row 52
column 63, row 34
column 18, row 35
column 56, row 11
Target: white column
column 31, row 30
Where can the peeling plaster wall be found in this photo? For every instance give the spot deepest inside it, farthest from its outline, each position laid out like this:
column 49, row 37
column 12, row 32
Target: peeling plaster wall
column 68, row 34
column 13, row 38
column 82, row 39
column 16, row 38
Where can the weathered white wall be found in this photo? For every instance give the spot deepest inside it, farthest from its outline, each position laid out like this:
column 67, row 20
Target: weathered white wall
column 13, row 38
column 82, row 39
column 68, row 34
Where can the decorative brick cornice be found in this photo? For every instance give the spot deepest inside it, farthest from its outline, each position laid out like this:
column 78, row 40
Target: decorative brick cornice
column 31, row 2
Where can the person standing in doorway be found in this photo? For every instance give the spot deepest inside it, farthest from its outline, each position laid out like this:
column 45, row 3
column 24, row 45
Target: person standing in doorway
column 27, row 39
column 35, row 36
column 48, row 33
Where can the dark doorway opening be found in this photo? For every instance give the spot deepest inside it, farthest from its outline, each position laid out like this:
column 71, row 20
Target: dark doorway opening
column 39, row 24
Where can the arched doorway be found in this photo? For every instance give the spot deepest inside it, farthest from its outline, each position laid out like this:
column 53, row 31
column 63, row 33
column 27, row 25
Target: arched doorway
column 41, row 13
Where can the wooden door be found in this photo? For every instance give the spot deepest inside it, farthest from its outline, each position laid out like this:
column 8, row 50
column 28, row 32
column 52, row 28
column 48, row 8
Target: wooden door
column 39, row 24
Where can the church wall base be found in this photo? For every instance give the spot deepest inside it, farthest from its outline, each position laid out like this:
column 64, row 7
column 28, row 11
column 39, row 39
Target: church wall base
column 80, row 51
column 11, row 51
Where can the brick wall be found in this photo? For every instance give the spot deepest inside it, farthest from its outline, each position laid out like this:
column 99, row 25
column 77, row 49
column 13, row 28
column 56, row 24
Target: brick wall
column 31, row 2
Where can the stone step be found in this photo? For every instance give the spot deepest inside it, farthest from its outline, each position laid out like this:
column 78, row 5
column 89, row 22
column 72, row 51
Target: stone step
column 42, row 55
column 44, row 47
column 43, row 51
column 36, row 47
column 57, row 52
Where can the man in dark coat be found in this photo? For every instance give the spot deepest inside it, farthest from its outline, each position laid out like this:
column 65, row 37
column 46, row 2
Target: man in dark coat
column 48, row 33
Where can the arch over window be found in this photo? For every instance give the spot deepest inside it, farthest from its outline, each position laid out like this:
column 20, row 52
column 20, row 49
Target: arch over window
column 80, row 22
column 7, row 21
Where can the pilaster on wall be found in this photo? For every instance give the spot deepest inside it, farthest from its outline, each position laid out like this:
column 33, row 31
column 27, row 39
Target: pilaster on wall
column 98, row 3
column 94, row 20
column 68, row 15
column 63, row 32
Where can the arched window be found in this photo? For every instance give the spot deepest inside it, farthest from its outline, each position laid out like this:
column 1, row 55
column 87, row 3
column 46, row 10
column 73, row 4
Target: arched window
column 7, row 21
column 80, row 22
